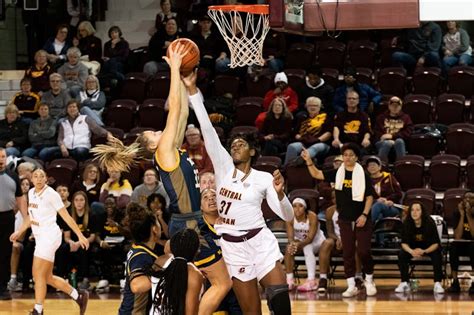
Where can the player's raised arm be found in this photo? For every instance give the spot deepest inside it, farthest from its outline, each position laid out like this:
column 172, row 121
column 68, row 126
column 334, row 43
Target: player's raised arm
column 221, row 159
column 166, row 149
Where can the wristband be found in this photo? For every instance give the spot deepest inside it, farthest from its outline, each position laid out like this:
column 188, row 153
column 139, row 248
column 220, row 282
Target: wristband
column 365, row 215
column 310, row 164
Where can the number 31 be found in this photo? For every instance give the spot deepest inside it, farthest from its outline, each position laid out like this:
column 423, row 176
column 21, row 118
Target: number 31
column 225, row 206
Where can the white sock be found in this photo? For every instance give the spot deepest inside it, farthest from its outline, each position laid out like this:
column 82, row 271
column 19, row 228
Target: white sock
column 39, row 308
column 311, row 279
column 289, row 276
column 359, row 275
column 13, row 276
column 323, row 276
column 369, row 278
column 351, row 282
column 404, row 283
column 74, row 294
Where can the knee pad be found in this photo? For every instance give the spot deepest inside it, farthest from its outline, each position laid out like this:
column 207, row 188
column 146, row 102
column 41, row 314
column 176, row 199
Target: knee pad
column 278, row 299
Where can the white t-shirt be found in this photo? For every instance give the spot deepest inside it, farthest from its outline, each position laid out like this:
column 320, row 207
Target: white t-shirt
column 43, row 207
column 239, row 195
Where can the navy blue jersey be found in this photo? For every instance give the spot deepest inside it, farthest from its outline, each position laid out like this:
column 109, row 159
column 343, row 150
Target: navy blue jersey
column 140, row 258
column 209, row 250
column 181, row 184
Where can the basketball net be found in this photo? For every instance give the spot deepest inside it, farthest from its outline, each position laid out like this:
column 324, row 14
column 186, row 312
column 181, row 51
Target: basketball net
column 244, row 34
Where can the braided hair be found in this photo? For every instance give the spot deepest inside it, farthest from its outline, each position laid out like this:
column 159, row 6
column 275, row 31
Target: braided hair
column 170, row 294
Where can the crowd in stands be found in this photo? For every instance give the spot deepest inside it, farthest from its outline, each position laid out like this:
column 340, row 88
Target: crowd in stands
column 66, row 93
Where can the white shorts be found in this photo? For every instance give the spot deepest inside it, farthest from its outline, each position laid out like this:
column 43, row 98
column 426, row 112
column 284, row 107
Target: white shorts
column 48, row 239
column 18, row 220
column 253, row 258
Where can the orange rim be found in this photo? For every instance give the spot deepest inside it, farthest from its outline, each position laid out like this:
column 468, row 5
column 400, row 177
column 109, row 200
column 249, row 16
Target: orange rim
column 254, row 9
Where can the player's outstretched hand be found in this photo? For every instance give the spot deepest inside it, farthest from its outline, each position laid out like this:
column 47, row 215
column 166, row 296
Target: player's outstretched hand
column 278, row 182
column 175, row 56
column 84, row 242
column 189, row 82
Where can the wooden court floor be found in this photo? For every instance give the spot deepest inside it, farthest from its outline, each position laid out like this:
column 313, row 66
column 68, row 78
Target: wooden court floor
column 386, row 302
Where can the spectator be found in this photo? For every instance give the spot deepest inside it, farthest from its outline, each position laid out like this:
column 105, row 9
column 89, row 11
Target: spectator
column 456, row 46
column 369, row 98
column 354, row 197
column 392, row 129
column 158, row 45
column 63, row 192
column 313, row 133
column 42, row 136
column 151, row 185
column 196, row 150
column 386, row 187
column 89, row 44
column 316, row 86
column 332, row 246
column 463, row 231
column 304, row 235
column 116, row 51
column 207, row 180
column 80, row 212
column 26, row 101
column 163, row 17
column 112, row 243
column 420, row 47
column 39, row 72
column 282, row 90
column 78, row 11
column 214, row 52
column 75, row 132
column 56, row 47
column 88, row 183
column 56, row 97
column 74, row 72
column 11, row 196
column 92, row 100
column 118, row 187
column 25, row 170
column 276, row 129
column 420, row 238
column 352, row 125
column 274, row 49
column 13, row 132
column 157, row 204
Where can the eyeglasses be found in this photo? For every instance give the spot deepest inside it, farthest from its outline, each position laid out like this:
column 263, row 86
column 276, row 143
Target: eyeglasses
column 395, row 102
column 352, row 98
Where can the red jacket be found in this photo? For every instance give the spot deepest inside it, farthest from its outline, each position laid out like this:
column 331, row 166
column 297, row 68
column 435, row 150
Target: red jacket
column 288, row 94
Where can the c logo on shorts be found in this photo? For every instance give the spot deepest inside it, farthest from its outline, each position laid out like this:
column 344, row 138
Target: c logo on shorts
column 242, row 270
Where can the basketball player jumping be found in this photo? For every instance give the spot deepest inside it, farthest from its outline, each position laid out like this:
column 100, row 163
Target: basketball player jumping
column 249, row 248
column 43, row 205
column 180, row 179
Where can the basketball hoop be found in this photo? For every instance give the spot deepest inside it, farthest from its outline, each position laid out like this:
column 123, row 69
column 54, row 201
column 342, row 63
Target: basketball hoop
column 244, row 38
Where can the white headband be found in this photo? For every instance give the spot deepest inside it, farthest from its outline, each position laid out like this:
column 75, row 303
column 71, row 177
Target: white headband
column 300, row 201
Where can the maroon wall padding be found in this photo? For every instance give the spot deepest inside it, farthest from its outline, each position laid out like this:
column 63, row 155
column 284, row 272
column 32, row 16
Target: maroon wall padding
column 277, row 15
column 362, row 14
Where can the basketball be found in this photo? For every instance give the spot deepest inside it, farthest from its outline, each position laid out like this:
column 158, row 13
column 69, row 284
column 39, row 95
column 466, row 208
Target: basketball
column 191, row 59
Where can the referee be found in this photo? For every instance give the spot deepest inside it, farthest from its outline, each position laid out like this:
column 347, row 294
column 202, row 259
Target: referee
column 10, row 193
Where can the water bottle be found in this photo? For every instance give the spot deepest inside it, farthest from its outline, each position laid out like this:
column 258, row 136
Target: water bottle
column 73, row 278
column 414, row 284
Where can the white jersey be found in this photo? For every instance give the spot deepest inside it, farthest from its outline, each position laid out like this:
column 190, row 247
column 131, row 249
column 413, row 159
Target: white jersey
column 301, row 230
column 43, row 208
column 239, row 195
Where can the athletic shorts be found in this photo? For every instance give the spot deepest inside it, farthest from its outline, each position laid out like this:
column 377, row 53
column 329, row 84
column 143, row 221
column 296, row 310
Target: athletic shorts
column 253, row 258
column 48, row 239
